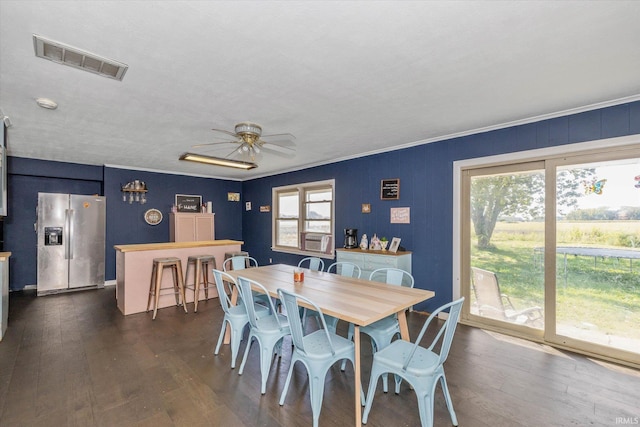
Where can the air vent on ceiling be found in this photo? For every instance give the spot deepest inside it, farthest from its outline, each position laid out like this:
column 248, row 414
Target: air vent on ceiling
column 78, row 58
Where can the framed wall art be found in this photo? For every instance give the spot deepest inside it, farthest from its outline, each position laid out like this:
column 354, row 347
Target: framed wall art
column 390, row 189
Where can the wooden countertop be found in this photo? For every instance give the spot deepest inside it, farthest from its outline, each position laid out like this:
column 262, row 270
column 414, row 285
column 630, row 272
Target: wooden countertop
column 372, row 252
column 174, row 245
column 4, row 255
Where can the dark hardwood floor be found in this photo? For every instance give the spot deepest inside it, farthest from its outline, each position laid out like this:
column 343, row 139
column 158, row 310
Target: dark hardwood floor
column 74, row 360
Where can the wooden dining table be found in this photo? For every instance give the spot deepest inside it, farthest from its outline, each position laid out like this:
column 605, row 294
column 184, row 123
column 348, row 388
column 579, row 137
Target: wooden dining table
column 358, row 301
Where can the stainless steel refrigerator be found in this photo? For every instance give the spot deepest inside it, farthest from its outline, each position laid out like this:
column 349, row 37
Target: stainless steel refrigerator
column 71, row 242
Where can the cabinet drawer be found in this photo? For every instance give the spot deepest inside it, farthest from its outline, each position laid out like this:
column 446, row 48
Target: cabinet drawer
column 357, row 259
column 379, row 261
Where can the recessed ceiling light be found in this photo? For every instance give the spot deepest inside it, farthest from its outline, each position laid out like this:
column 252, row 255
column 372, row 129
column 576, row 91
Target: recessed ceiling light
column 47, row 103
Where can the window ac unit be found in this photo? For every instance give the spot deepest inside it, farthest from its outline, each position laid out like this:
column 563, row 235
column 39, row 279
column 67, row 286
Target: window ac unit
column 316, row 242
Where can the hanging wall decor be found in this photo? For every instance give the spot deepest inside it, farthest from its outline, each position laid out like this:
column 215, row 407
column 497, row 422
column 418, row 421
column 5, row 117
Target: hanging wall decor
column 400, row 215
column 390, row 189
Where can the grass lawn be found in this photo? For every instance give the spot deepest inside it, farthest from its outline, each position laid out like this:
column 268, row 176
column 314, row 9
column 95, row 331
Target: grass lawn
column 603, row 297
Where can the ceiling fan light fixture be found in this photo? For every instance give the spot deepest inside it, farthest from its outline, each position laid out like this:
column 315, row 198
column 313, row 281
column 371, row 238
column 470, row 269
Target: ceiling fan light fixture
column 248, row 128
column 217, row 161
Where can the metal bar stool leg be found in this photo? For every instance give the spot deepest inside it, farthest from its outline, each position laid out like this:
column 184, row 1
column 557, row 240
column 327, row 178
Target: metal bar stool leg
column 181, row 286
column 196, row 285
column 160, row 267
column 152, row 285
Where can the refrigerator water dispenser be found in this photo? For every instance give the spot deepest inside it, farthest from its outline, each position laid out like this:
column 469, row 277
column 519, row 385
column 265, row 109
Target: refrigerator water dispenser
column 52, row 236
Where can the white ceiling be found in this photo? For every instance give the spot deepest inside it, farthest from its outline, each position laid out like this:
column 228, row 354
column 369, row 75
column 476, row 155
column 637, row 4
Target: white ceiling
column 346, row 78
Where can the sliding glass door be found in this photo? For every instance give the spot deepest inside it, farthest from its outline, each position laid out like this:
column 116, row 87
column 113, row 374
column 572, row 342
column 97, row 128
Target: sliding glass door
column 597, row 245
column 550, row 250
column 505, row 244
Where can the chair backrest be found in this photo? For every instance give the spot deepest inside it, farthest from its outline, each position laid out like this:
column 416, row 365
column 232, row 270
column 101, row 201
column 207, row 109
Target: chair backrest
column 344, row 268
column 245, row 286
column 290, row 301
column 445, row 333
column 220, row 277
column 487, row 292
column 392, row 276
column 239, row 262
column 315, row 263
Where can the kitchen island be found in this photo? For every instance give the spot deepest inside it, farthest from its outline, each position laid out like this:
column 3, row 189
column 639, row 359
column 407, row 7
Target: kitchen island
column 133, row 270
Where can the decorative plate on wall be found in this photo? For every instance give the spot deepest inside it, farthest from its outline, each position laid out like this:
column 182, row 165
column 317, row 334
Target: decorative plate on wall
column 153, row 217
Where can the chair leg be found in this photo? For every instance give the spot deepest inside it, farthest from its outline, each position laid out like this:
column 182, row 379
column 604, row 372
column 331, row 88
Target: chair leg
column 266, row 357
column 236, row 337
column 246, row 353
column 447, row 398
column 398, row 381
column 316, row 389
column 373, row 382
column 221, row 337
column 425, row 408
column 285, row 390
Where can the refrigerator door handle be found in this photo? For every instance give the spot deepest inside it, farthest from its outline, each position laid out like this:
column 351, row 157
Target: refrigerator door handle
column 69, row 246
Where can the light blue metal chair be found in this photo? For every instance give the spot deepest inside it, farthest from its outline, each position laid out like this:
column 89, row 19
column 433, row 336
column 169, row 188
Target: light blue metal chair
column 384, row 330
column 420, row 367
column 315, row 263
column 240, row 262
column 347, row 269
column 317, row 351
column 268, row 331
column 234, row 315
column 344, row 268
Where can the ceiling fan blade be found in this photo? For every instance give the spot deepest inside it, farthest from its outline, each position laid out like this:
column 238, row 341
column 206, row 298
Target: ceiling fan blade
column 212, row 143
column 226, row 131
column 278, row 134
column 278, row 147
column 235, row 151
column 289, row 154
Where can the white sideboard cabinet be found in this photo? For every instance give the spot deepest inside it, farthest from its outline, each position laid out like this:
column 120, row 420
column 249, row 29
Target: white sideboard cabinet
column 191, row 227
column 372, row 260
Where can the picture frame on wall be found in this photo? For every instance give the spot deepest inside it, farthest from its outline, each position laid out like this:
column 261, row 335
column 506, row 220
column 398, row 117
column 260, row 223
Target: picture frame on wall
column 390, row 189
column 188, row 203
column 395, row 244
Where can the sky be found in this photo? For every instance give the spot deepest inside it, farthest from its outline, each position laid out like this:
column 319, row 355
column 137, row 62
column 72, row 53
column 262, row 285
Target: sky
column 619, row 188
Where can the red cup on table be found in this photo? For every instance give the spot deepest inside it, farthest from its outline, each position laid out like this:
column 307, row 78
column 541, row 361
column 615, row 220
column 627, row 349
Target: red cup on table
column 298, row 275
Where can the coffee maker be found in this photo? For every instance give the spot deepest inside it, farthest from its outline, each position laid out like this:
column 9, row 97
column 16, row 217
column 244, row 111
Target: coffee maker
column 350, row 238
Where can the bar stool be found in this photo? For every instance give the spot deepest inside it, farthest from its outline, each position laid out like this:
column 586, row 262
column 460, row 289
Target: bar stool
column 203, row 265
column 159, row 264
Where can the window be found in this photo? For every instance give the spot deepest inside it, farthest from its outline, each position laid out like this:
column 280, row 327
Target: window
column 303, row 217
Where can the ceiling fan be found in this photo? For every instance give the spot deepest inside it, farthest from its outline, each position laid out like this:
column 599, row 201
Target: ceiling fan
column 249, row 142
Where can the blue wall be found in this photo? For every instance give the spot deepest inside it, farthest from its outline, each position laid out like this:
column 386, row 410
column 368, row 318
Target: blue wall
column 25, row 179
column 125, row 222
column 426, row 186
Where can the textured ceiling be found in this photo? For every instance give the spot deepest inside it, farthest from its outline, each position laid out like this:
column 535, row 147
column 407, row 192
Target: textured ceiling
column 346, row 78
